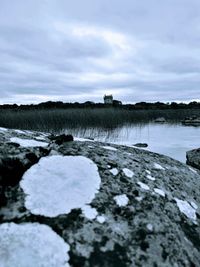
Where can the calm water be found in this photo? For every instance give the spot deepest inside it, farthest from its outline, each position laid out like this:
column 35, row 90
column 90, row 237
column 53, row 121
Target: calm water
column 168, row 139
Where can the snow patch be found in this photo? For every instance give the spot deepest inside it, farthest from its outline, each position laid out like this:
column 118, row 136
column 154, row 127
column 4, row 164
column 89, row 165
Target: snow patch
column 159, row 192
column 158, row 166
column 186, row 208
column 31, row 244
column 143, row 186
column 128, row 172
column 121, row 200
column 148, row 172
column 101, row 219
column 114, row 171
column 110, row 148
column 57, row 184
column 27, row 142
column 89, row 212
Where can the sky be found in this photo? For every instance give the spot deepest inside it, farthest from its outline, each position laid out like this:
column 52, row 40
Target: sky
column 77, row 51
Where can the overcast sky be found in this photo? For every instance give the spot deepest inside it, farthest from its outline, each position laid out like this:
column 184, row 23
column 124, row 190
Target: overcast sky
column 138, row 50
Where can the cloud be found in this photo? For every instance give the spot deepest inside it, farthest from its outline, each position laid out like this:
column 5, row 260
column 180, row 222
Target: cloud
column 77, row 51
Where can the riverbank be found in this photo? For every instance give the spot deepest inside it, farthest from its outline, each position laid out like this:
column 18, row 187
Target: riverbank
column 126, row 206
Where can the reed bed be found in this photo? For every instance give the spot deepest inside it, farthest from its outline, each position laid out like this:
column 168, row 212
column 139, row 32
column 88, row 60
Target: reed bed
column 58, row 120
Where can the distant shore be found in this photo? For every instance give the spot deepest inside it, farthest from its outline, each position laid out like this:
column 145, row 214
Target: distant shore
column 115, row 104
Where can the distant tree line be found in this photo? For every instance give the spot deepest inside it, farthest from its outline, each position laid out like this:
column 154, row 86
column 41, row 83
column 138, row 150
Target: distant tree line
column 89, row 104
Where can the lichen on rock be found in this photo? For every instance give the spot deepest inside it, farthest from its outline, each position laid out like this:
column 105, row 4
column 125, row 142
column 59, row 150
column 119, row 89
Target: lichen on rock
column 58, row 184
column 31, row 244
column 147, row 215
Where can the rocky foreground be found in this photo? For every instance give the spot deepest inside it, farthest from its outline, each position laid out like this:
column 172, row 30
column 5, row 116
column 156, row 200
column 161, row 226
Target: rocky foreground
column 83, row 203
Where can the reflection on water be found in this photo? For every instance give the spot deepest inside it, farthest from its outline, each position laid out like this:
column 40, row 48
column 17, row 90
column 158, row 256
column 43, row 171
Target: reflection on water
column 168, row 139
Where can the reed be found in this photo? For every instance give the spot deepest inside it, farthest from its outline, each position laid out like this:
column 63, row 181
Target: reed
column 58, row 120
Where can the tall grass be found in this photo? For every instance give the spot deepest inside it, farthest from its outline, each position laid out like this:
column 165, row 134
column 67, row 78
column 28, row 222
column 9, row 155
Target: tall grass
column 58, row 120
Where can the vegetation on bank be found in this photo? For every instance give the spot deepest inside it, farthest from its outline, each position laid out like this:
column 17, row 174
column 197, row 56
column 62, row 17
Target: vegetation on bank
column 92, row 105
column 57, row 120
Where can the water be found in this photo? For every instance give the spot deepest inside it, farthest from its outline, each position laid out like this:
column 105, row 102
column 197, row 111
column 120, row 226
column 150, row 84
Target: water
column 169, row 139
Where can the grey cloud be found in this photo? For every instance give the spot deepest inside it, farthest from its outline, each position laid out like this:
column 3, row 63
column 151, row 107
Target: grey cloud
column 161, row 61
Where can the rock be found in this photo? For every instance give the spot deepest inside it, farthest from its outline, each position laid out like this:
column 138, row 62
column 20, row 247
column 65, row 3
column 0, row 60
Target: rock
column 154, row 222
column 193, row 158
column 191, row 121
column 60, row 139
column 160, row 120
column 141, row 145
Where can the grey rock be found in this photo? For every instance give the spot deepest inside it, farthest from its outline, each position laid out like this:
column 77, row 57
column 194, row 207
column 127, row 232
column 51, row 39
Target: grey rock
column 191, row 121
column 151, row 230
column 193, row 158
column 160, row 120
column 141, row 145
column 60, row 139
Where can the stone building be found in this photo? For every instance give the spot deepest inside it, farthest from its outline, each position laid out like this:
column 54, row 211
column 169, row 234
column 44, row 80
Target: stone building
column 108, row 99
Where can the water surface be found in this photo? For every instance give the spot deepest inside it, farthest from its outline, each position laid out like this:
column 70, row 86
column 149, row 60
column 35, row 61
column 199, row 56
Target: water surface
column 169, row 139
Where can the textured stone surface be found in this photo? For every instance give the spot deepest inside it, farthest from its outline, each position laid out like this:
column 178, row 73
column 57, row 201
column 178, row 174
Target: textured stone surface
column 157, row 225
column 193, row 158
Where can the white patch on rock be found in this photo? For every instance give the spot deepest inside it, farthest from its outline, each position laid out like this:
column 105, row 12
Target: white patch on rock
column 151, row 177
column 83, row 250
column 27, row 142
column 121, row 200
column 101, row 219
column 143, row 186
column 40, row 138
column 20, row 131
column 114, row 171
column 3, row 129
column 186, row 208
column 159, row 192
column 158, row 166
column 148, row 172
column 193, row 170
column 82, row 139
column 139, row 198
column 150, row 227
column 110, row 148
column 29, row 132
column 89, row 212
column 31, row 244
column 194, row 205
column 58, row 184
column 128, row 172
